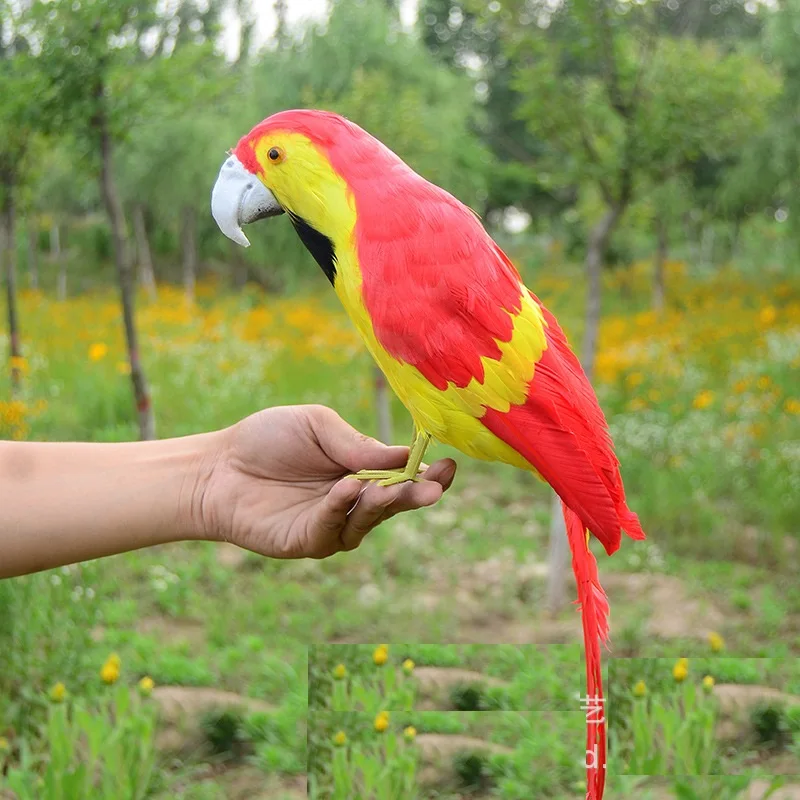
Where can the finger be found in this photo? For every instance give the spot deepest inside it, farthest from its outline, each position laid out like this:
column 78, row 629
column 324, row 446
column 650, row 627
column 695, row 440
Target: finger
column 442, row 471
column 370, row 510
column 437, row 479
column 331, row 515
column 414, row 496
column 350, row 448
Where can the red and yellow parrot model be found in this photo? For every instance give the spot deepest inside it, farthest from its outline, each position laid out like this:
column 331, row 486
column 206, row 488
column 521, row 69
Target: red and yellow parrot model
column 473, row 354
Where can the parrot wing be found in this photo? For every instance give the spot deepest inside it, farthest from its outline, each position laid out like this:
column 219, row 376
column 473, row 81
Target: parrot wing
column 561, row 430
column 438, row 293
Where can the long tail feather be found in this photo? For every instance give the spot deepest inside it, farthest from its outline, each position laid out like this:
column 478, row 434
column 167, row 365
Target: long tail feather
column 594, row 612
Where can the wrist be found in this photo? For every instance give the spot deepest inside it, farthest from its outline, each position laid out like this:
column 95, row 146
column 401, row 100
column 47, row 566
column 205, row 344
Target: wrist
column 196, row 515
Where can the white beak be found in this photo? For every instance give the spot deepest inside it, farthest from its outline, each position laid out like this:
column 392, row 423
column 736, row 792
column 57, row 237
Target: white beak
column 239, row 197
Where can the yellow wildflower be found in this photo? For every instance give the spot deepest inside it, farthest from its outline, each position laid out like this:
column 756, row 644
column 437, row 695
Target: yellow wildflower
column 768, row 315
column 708, row 683
column 634, row 379
column 382, row 721
column 4, row 745
column 340, row 672
column 704, row 399
column 680, row 671
column 640, row 689
column 716, row 641
column 123, row 368
column 340, row 739
column 146, row 685
column 20, row 364
column 792, row 406
column 381, row 654
column 763, row 382
column 58, row 692
column 410, row 733
column 408, row 666
column 109, row 672
column 97, row 351
column 741, row 386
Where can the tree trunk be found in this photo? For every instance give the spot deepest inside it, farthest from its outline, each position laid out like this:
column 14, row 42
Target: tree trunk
column 189, row 250
column 707, row 246
column 735, row 231
column 558, row 558
column 141, row 393
column 33, row 254
column 144, row 260
column 241, row 272
column 595, row 253
column 383, row 406
column 281, row 29
column 659, row 283
column 10, row 248
column 689, row 233
column 60, row 261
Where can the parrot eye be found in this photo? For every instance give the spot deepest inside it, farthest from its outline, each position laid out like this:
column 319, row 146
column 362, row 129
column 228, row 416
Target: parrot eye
column 275, row 155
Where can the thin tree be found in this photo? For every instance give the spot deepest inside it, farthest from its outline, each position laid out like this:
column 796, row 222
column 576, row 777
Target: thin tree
column 615, row 104
column 189, row 251
column 9, row 251
column 17, row 131
column 59, row 259
column 144, row 258
column 32, row 241
column 98, row 102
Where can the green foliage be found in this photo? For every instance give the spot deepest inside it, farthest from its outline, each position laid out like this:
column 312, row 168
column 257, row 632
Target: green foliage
column 223, row 730
column 770, row 725
column 728, row 788
column 608, row 98
column 673, row 733
column 360, row 681
column 46, row 624
column 350, row 757
column 472, row 770
column 467, row 697
column 102, row 750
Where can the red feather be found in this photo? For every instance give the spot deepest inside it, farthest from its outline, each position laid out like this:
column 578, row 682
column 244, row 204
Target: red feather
column 593, row 604
column 562, row 431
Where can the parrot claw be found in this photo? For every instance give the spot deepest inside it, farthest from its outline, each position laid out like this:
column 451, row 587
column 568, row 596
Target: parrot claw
column 385, row 477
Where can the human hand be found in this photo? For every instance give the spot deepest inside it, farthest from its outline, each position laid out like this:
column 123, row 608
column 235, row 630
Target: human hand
column 275, row 484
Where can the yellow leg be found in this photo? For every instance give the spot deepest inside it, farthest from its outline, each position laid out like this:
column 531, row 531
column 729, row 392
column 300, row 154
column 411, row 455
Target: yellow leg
column 388, row 477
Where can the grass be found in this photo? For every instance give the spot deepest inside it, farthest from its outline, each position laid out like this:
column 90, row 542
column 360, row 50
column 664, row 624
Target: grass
column 704, row 407
column 347, row 677
column 667, row 717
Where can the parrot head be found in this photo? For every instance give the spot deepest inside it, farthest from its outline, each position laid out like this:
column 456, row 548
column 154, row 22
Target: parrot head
column 305, row 163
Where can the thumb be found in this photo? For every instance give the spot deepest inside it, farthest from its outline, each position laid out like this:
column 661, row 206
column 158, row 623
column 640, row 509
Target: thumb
column 345, row 445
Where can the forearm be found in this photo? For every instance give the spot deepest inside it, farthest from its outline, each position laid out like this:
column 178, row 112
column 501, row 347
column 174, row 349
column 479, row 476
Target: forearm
column 67, row 502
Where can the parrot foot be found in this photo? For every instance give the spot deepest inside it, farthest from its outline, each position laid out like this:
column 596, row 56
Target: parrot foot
column 385, row 477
